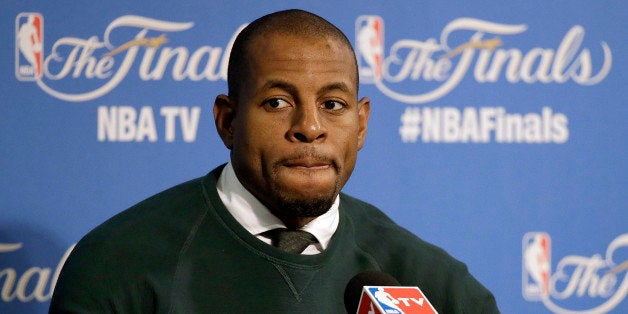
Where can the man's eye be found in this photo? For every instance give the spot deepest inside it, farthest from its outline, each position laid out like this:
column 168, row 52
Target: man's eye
column 276, row 103
column 333, row 105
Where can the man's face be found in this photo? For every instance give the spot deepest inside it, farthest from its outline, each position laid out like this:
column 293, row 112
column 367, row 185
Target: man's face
column 297, row 125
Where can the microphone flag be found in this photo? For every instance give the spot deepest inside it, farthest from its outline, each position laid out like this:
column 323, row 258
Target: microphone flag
column 394, row 300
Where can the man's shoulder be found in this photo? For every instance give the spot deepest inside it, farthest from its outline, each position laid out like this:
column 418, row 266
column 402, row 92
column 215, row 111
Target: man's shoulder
column 413, row 261
column 382, row 237
column 135, row 251
column 169, row 207
column 367, row 216
column 370, row 221
column 158, row 225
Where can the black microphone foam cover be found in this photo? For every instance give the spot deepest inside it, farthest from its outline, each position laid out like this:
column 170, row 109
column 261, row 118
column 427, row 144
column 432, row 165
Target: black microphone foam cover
column 353, row 291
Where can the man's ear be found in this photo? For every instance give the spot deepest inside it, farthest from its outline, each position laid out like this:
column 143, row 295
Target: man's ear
column 364, row 111
column 224, row 113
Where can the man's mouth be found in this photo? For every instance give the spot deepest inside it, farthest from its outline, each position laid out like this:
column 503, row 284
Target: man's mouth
column 308, row 164
column 308, row 160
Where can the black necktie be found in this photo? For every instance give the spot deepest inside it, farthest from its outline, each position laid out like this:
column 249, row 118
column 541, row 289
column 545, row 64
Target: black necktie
column 293, row 241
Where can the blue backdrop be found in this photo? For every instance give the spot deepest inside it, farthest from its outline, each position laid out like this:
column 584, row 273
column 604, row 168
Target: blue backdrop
column 497, row 131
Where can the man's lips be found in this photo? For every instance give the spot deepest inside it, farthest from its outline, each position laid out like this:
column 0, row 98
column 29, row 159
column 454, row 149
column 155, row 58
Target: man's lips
column 308, row 164
column 308, row 159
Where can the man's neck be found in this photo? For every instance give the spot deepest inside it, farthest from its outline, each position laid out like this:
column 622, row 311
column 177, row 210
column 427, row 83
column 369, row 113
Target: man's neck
column 296, row 222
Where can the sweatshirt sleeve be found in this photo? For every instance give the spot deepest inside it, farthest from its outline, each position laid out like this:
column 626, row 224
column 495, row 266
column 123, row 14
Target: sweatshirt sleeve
column 81, row 286
column 467, row 295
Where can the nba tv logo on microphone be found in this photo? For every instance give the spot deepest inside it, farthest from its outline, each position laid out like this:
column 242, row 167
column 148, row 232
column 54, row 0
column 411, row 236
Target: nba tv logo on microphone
column 29, row 45
column 394, row 300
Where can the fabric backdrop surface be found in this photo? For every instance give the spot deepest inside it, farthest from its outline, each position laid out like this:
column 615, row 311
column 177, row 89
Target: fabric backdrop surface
column 497, row 131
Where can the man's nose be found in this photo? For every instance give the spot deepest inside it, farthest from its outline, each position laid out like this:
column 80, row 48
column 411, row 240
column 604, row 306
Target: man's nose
column 307, row 125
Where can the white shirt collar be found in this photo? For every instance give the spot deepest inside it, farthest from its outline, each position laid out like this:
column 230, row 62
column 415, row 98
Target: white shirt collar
column 256, row 218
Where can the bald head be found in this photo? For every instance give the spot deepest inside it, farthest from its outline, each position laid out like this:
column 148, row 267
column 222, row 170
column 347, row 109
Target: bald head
column 290, row 22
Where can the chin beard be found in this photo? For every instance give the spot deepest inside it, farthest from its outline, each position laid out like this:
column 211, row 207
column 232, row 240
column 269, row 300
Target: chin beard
column 286, row 208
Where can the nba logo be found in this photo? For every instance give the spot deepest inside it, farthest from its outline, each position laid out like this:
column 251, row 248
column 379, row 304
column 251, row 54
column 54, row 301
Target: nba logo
column 369, row 34
column 394, row 300
column 29, row 42
column 536, row 265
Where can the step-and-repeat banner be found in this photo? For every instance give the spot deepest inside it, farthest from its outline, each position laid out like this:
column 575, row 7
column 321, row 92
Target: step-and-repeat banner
column 498, row 131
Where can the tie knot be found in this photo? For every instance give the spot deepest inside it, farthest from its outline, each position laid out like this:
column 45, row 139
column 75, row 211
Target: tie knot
column 293, row 241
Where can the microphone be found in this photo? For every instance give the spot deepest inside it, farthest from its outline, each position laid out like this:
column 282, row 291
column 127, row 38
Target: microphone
column 354, row 288
column 380, row 293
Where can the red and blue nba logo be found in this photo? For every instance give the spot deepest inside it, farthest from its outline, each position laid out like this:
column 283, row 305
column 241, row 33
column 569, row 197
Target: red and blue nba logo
column 369, row 34
column 394, row 300
column 536, row 265
column 29, row 43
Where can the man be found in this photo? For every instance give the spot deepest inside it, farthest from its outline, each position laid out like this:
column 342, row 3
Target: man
column 294, row 124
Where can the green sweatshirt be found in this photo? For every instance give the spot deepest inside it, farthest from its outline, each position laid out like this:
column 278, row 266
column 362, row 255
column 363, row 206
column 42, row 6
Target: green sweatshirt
column 181, row 251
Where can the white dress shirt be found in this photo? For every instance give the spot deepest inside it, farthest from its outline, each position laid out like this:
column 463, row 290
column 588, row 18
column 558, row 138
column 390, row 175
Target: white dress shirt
column 257, row 218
